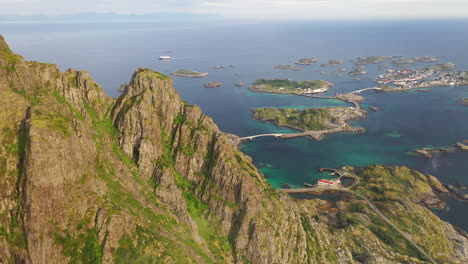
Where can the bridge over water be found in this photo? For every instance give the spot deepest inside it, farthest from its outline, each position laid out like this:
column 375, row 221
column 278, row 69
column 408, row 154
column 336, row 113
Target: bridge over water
column 256, row 136
column 366, row 89
column 313, row 133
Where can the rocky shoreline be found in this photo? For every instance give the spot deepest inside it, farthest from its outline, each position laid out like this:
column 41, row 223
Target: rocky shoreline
column 428, row 152
column 456, row 190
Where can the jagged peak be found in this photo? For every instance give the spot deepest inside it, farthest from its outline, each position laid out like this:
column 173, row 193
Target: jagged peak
column 2, row 41
column 146, row 79
column 150, row 73
column 7, row 56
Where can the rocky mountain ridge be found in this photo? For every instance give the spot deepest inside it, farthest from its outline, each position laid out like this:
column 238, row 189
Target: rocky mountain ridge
column 148, row 178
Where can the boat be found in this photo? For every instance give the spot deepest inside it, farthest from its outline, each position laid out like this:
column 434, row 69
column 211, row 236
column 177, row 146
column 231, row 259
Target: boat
column 165, row 57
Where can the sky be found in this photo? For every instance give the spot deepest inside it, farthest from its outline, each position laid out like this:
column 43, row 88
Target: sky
column 248, row 9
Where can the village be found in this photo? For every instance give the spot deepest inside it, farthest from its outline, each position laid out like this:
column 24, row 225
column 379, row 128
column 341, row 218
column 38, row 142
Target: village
column 408, row 78
column 313, row 91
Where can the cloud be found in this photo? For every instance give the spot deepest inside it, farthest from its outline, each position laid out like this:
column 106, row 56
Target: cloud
column 249, row 9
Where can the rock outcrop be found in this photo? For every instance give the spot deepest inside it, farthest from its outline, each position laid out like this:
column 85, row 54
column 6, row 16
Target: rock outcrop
column 148, row 178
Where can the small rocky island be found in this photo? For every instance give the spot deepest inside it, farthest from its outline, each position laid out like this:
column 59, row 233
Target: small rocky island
column 405, row 62
column 189, row 74
column 372, row 60
column 428, row 152
column 332, row 63
column 212, row 84
column 357, row 71
column 442, row 66
column 426, row 59
column 314, row 122
column 285, row 86
column 286, row 67
column 463, row 101
column 307, row 61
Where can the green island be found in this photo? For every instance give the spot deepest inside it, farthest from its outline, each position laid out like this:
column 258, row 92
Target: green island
column 189, row 74
column 303, row 120
column 212, row 84
column 285, row 86
column 332, row 63
column 357, row 72
column 442, row 66
column 382, row 67
column 463, row 101
column 372, row 60
column 324, row 120
column 307, row 61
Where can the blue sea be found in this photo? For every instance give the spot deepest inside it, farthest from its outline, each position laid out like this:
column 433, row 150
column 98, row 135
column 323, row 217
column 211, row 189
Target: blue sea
column 406, row 121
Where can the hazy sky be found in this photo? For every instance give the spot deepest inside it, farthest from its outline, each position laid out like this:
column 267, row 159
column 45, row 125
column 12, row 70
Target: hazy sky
column 249, row 9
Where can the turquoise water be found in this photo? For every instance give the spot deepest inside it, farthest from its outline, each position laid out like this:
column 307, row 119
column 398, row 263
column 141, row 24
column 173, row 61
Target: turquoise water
column 406, row 121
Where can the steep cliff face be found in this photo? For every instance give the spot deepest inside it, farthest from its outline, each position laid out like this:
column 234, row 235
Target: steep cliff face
column 147, row 178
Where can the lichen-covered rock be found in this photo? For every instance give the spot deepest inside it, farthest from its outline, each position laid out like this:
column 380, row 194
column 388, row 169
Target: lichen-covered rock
column 145, row 177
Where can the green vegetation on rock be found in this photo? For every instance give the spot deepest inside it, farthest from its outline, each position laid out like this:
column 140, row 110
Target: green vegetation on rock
column 149, row 74
column 372, row 60
column 189, row 73
column 307, row 61
column 403, row 62
column 357, row 72
column 304, row 120
column 212, row 84
column 442, row 66
column 332, row 63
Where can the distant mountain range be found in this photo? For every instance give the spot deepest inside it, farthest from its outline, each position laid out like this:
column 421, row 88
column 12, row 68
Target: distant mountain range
column 106, row 17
